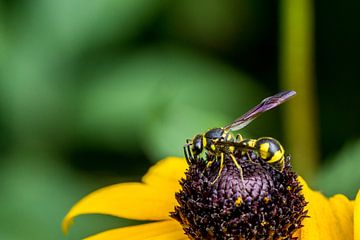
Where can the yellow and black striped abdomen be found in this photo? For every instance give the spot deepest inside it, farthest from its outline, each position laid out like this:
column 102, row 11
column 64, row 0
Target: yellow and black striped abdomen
column 271, row 151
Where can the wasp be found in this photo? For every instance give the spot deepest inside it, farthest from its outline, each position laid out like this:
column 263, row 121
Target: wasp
column 216, row 142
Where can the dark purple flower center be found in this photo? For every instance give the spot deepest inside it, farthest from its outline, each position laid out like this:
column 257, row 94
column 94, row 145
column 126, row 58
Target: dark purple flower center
column 267, row 204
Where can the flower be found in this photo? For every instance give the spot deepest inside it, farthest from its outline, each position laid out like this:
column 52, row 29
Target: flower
column 260, row 203
column 153, row 199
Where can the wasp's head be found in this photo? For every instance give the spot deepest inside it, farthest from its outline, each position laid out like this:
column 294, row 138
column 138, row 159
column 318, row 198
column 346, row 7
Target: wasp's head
column 197, row 145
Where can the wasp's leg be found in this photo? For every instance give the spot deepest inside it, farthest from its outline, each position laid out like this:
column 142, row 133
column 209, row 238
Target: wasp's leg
column 221, row 167
column 208, row 164
column 238, row 138
column 238, row 167
column 186, row 153
column 191, row 155
column 249, row 158
column 248, row 155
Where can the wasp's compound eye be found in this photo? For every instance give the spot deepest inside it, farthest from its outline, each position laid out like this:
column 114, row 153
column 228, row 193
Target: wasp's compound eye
column 197, row 145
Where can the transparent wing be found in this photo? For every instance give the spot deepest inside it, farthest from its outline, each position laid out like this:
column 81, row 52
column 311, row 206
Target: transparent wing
column 238, row 145
column 263, row 106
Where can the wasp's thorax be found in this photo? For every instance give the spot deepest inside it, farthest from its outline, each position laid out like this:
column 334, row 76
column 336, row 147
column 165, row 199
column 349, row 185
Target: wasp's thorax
column 214, row 133
column 207, row 143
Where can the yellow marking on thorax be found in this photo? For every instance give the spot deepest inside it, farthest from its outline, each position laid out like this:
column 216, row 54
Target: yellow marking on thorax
column 204, row 141
column 251, row 142
column 212, row 146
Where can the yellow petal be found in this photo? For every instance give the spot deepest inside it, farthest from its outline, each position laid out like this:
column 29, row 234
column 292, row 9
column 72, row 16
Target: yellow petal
column 297, row 234
column 164, row 230
column 151, row 200
column 166, row 173
column 127, row 200
column 357, row 217
column 328, row 218
column 343, row 209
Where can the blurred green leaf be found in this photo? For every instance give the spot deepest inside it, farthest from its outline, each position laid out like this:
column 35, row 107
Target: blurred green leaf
column 2, row 33
column 37, row 192
column 70, row 26
column 161, row 96
column 341, row 174
column 166, row 132
column 225, row 25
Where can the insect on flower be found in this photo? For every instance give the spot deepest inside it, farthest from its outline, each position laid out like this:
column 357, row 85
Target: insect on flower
column 216, row 142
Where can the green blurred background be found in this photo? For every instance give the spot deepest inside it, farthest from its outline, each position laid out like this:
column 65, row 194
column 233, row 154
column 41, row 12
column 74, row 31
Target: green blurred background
column 94, row 92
